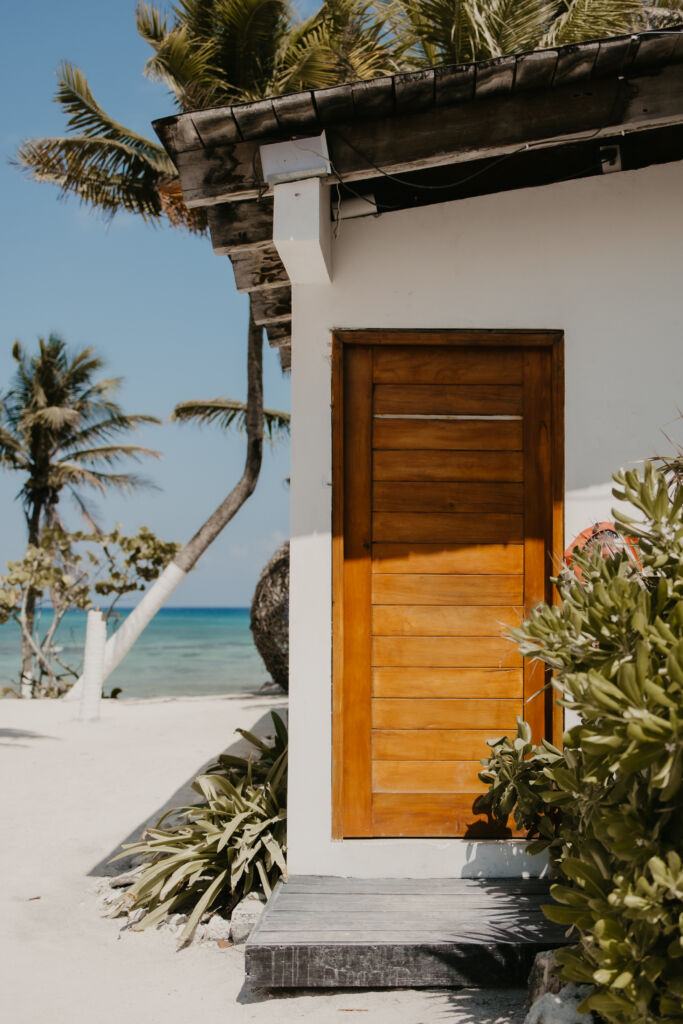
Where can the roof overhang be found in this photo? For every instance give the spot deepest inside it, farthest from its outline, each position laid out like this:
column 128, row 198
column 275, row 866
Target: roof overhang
column 431, row 136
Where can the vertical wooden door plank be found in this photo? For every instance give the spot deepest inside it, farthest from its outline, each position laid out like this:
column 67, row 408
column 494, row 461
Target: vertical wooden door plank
column 337, row 588
column 357, row 441
column 537, row 519
column 555, row 714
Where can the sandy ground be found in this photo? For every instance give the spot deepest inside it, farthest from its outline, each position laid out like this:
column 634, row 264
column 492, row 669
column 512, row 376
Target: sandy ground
column 70, row 793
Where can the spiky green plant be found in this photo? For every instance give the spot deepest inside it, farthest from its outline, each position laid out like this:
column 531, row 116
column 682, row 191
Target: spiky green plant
column 212, row 854
column 609, row 805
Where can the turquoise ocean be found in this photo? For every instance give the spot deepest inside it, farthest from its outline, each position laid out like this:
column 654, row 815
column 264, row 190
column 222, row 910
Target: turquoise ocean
column 183, row 652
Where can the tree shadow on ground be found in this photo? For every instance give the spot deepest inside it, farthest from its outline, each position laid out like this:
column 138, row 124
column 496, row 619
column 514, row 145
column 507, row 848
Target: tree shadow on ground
column 487, row 1006
column 8, row 737
column 183, row 796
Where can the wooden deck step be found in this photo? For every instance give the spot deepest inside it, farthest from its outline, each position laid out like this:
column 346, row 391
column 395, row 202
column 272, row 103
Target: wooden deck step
column 327, row 932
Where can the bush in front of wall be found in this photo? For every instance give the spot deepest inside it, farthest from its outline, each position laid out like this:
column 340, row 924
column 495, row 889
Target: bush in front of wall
column 212, row 854
column 609, row 805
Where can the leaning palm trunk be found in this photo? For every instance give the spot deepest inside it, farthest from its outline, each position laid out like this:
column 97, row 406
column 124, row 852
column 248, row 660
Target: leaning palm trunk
column 123, row 639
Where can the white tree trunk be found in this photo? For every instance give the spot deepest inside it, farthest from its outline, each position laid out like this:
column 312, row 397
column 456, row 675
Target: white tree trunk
column 93, row 666
column 125, row 636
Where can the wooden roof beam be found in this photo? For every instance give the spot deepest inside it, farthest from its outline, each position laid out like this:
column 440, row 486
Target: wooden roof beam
column 272, row 306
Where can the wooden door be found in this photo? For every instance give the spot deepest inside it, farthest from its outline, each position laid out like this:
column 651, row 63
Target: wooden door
column 447, row 495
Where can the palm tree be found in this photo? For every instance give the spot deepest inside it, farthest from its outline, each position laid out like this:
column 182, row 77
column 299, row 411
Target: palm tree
column 58, row 428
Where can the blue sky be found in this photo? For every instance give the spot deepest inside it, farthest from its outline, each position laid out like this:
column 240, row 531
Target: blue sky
column 158, row 305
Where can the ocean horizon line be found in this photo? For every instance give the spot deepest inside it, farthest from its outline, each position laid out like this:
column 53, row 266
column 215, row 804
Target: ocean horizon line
column 180, row 608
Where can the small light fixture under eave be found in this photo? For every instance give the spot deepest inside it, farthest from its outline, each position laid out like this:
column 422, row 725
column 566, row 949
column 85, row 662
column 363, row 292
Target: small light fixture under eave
column 294, row 160
column 610, row 158
column 356, row 206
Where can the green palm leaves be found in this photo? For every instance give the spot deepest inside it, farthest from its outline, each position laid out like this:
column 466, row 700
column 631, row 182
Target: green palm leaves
column 105, row 164
column 455, row 31
column 226, row 412
column 231, row 51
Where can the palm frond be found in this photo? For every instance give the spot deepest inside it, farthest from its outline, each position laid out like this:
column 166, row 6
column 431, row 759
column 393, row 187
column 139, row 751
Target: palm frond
column 152, row 26
column 516, row 25
column 105, row 428
column 109, row 454
column 220, row 51
column 54, row 417
column 12, row 455
column 185, row 66
column 662, row 14
column 225, row 413
column 87, row 117
column 580, row 20
column 106, row 174
column 348, row 40
column 72, row 475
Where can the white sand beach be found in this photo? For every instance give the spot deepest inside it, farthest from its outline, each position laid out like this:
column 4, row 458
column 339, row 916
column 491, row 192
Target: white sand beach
column 71, row 792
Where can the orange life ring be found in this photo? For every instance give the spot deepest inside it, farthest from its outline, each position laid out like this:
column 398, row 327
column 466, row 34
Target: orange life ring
column 607, row 536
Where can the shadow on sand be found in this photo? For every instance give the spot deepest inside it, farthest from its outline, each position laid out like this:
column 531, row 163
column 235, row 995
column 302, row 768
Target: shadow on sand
column 8, row 737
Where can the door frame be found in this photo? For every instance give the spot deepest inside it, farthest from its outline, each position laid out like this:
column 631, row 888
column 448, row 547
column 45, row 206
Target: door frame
column 552, row 340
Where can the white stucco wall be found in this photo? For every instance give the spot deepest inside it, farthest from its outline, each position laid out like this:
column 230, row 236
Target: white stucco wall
column 599, row 259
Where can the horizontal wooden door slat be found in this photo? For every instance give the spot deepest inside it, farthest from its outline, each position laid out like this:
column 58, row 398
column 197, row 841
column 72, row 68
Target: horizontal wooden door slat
column 398, row 496
column 431, row 466
column 446, row 682
column 433, row 815
column 394, row 365
column 445, row 714
column 444, row 620
column 448, row 399
column 429, row 776
column 444, row 652
column 447, row 528
column 408, row 588
column 447, row 435
column 470, row 560
column 441, row 744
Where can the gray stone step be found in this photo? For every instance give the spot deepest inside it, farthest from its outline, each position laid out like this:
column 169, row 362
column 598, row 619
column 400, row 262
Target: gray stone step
column 325, row 932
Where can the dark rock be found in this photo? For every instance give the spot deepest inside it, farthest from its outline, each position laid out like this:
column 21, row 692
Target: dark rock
column 544, row 977
column 270, row 616
column 561, row 1007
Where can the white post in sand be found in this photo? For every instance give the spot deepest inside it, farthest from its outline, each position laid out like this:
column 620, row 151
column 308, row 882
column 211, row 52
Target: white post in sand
column 120, row 642
column 93, row 666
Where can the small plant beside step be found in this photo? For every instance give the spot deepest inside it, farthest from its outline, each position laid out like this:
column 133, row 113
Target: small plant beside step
column 212, row 854
column 609, row 805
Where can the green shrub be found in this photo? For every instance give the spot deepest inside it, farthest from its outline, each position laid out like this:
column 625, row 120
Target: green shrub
column 609, row 805
column 211, row 854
